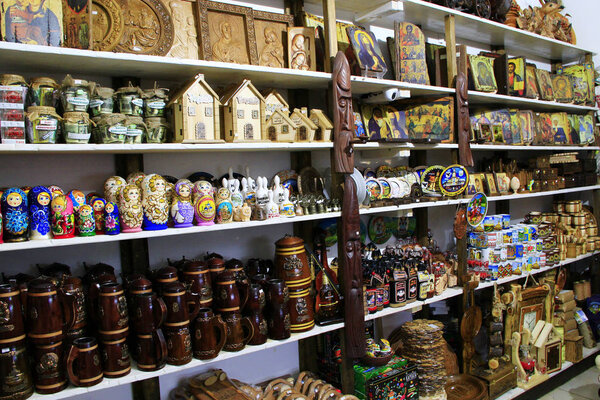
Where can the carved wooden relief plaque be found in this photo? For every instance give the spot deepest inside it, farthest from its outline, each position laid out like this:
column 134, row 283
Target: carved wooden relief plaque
column 271, row 38
column 185, row 39
column 107, row 24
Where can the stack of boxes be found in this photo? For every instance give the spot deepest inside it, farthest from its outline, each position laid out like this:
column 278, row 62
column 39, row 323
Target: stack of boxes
column 564, row 321
column 13, row 92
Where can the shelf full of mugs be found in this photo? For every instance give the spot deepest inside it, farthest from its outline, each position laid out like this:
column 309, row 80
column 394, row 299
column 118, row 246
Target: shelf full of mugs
column 31, row 59
column 477, row 98
column 137, row 375
column 431, row 17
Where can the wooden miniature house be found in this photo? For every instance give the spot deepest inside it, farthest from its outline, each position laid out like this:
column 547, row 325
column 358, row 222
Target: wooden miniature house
column 305, row 128
column 324, row 125
column 196, row 113
column 274, row 101
column 243, row 114
column 280, row 127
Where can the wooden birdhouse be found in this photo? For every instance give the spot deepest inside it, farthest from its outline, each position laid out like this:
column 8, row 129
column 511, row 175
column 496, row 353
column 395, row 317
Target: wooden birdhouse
column 280, row 127
column 196, row 113
column 243, row 109
column 305, row 128
column 324, row 125
column 274, row 101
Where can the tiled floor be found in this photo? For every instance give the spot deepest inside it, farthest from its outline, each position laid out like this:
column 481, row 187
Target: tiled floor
column 582, row 387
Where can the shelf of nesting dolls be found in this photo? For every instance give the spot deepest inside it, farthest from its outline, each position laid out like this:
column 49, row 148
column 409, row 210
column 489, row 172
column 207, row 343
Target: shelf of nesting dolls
column 137, row 375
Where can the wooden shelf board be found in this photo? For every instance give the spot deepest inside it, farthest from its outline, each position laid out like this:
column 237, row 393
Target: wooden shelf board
column 498, row 100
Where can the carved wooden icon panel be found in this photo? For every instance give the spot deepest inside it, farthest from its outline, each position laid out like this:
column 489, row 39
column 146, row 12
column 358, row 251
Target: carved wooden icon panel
column 107, row 24
column 185, row 38
column 301, row 48
column 77, row 23
column 271, row 38
column 226, row 33
column 148, row 28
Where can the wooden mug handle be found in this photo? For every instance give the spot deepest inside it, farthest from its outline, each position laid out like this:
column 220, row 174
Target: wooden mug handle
column 73, row 354
column 93, row 294
column 248, row 328
column 161, row 347
column 161, row 311
column 195, row 301
column 221, row 327
column 69, row 305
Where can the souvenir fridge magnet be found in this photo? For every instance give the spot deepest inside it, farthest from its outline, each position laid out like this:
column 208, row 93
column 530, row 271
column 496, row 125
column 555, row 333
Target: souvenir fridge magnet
column 39, row 213
column 130, row 208
column 380, row 229
column 15, row 214
column 477, row 209
column 366, row 53
column 63, row 220
column 430, row 180
column 111, row 219
column 454, row 180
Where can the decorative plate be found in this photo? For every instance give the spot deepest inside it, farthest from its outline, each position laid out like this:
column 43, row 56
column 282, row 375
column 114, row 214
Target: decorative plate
column 396, row 189
column 361, row 188
column 289, row 180
column 374, row 189
column 477, row 209
column 385, row 171
column 430, row 180
column 412, row 178
column 419, row 171
column 380, row 229
column 310, row 181
column 405, row 227
column 369, row 173
column 454, row 180
column 404, row 187
column 386, row 188
column 107, row 23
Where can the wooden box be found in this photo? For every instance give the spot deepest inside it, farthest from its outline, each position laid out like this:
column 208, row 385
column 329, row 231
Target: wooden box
column 500, row 380
column 574, row 348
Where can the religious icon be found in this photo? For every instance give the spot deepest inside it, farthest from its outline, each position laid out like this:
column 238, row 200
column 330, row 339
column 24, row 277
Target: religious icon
column 531, row 87
column 185, row 40
column 544, row 85
column 301, row 48
column 32, row 22
column 562, row 85
column 77, row 20
column 527, row 126
column 397, row 122
column 544, row 131
column 516, row 76
column 409, row 54
column 482, row 70
column 515, row 127
column 579, row 79
column 502, row 118
column 367, row 53
column 376, row 122
column 271, row 34
column 430, row 121
column 560, row 127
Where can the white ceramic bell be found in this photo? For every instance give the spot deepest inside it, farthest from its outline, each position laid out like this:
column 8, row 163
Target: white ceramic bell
column 278, row 194
column 272, row 207
column 286, row 208
column 237, row 199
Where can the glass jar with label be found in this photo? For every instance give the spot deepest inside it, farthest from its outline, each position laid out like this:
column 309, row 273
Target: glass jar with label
column 75, row 94
column 129, row 101
column 102, row 101
column 76, row 127
column 42, row 125
column 136, row 129
column 110, row 128
column 155, row 102
column 157, row 130
column 43, row 92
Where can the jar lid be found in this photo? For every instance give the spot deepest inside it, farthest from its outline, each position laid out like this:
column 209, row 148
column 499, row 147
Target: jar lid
column 110, row 119
column 133, row 119
column 43, row 81
column 289, row 241
column 41, row 285
column 34, row 112
column 130, row 89
column 103, row 92
column 69, row 81
column 166, row 272
column 12, row 80
column 161, row 93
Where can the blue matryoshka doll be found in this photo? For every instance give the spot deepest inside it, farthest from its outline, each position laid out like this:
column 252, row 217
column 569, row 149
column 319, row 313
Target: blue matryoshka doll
column 182, row 210
column 39, row 213
column 111, row 219
column 16, row 216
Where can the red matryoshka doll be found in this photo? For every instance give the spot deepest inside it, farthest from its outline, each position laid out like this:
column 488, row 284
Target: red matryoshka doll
column 56, row 191
column 130, row 208
column 136, row 178
column 16, row 215
column 112, row 186
column 85, row 221
column 91, row 196
column 39, row 213
column 98, row 204
column 111, row 219
column 63, row 220
column 182, row 210
column 202, row 188
column 154, row 203
column 204, row 204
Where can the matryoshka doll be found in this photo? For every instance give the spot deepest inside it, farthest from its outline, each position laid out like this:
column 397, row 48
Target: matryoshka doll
column 111, row 219
column 39, row 213
column 154, row 203
column 56, row 191
column 136, row 178
column 78, row 199
column 182, row 210
column 98, row 204
column 204, row 204
column 16, row 216
column 63, row 220
column 85, row 221
column 112, row 186
column 130, row 208
column 224, row 206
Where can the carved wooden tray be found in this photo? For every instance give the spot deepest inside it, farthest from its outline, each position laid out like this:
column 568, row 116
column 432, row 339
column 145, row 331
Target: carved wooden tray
column 107, row 24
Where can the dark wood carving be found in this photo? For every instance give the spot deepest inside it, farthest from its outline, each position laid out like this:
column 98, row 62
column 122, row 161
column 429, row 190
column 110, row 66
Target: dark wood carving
column 349, row 228
column 463, row 120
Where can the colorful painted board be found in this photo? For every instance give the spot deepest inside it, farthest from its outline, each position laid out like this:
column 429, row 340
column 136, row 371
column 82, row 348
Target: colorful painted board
column 515, row 127
column 375, row 119
column 544, row 128
column 380, row 229
column 586, row 129
column 544, row 84
column 562, row 86
column 367, row 53
column 77, row 22
column 531, row 87
column 527, row 126
column 396, row 120
column 590, row 74
column 516, row 76
column 32, row 22
column 477, row 209
column 579, row 79
column 560, row 127
column 430, row 180
column 431, row 121
column 502, row 118
column 482, row 71
column 405, row 227
column 454, row 180
column 409, row 54
column 573, row 132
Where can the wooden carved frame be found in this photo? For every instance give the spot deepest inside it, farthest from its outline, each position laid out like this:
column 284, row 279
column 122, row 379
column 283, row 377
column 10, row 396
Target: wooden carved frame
column 286, row 19
column 205, row 48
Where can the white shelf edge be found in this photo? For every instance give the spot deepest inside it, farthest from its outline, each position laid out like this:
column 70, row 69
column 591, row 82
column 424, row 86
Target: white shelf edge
column 478, row 98
column 483, row 147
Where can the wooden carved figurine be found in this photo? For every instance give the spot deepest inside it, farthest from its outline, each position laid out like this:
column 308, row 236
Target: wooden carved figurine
column 98, row 204
column 349, row 228
column 130, row 208
column 154, row 203
column 16, row 217
column 39, row 213
column 111, row 219
column 463, row 120
column 224, row 206
column 182, row 209
column 86, row 225
column 63, row 220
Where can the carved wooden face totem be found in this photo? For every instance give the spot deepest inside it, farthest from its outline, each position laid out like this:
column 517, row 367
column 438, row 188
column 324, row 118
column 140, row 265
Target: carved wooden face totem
column 343, row 116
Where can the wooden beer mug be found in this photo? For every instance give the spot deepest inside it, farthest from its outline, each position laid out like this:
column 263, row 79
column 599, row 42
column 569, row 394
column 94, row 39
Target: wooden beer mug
column 291, row 262
column 210, row 334
column 83, row 364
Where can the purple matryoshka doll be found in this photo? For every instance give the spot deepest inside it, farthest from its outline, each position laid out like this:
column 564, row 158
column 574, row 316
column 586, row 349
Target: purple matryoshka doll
column 85, row 221
column 98, row 204
column 112, row 186
column 63, row 220
column 16, row 215
column 130, row 208
column 204, row 203
column 182, row 210
column 154, row 203
column 111, row 219
column 39, row 213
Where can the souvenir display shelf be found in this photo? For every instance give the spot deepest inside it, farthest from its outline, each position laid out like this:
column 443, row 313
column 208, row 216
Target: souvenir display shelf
column 482, row 98
column 36, row 244
column 430, row 17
